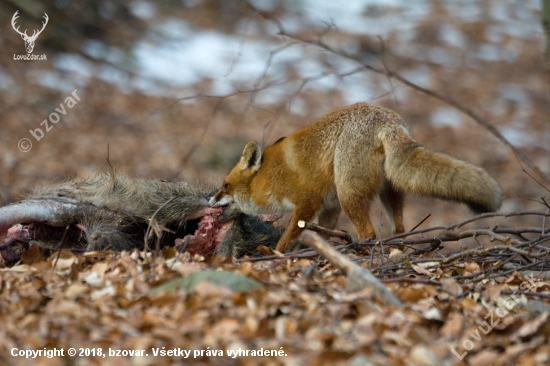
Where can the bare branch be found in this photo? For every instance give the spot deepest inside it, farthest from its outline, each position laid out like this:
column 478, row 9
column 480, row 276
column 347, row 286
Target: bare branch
column 325, row 232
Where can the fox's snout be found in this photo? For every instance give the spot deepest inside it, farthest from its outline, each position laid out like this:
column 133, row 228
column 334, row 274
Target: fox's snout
column 220, row 199
column 213, row 202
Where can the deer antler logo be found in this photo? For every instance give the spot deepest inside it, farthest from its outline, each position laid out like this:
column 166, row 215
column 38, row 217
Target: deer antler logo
column 29, row 41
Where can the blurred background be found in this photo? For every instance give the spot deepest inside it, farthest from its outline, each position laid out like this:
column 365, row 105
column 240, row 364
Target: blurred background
column 174, row 89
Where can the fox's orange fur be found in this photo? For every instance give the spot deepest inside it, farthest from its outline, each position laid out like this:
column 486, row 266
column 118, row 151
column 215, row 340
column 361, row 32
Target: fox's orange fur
column 342, row 162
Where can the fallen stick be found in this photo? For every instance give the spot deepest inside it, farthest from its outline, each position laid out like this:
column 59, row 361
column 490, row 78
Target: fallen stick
column 325, row 232
column 357, row 278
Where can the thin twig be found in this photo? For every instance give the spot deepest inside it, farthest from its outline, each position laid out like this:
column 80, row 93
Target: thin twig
column 60, row 246
column 421, row 222
column 146, row 238
column 181, row 250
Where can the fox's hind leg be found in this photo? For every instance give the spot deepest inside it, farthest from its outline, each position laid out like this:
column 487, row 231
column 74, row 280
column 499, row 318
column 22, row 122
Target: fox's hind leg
column 358, row 176
column 393, row 201
column 356, row 207
column 355, row 195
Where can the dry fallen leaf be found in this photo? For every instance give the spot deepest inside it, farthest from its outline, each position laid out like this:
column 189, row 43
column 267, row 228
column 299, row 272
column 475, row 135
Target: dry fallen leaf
column 531, row 327
column 421, row 270
column 453, row 326
column 451, row 286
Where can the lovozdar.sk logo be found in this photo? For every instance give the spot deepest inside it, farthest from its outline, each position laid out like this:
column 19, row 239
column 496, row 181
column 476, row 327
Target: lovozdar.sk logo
column 29, row 40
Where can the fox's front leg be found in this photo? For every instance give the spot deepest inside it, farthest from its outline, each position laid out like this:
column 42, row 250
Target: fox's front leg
column 306, row 213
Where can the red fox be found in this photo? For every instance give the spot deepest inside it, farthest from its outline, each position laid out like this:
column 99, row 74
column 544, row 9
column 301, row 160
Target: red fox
column 340, row 163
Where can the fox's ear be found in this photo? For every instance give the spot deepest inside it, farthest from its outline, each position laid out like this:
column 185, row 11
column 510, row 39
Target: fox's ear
column 252, row 156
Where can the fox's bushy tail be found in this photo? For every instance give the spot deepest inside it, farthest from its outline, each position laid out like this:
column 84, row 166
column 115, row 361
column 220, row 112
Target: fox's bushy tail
column 411, row 167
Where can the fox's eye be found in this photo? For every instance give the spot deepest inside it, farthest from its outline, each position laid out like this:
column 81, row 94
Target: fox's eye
column 226, row 185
